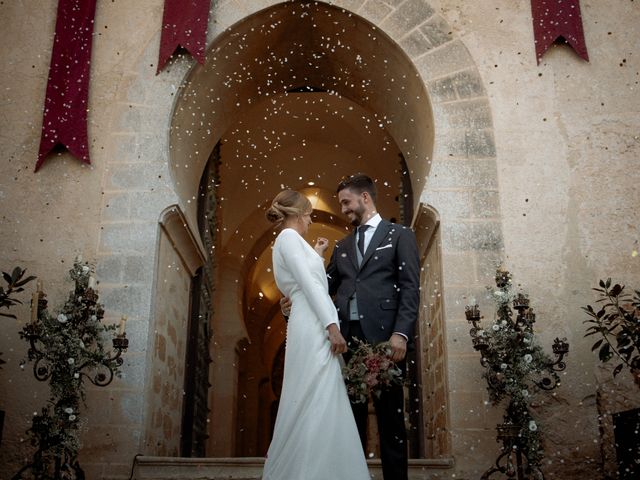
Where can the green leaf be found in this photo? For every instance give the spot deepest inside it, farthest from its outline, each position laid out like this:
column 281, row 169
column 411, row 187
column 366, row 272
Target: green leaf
column 617, row 370
column 605, row 353
column 616, row 290
column 26, row 280
column 7, row 278
column 10, row 315
column 608, row 283
column 597, row 344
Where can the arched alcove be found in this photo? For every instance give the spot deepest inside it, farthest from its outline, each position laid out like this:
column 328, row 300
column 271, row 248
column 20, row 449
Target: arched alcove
column 333, row 63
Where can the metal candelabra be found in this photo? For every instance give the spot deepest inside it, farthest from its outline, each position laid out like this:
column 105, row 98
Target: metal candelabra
column 84, row 357
column 510, row 461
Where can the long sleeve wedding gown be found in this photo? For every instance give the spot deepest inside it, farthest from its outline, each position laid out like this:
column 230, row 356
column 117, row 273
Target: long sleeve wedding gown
column 315, row 436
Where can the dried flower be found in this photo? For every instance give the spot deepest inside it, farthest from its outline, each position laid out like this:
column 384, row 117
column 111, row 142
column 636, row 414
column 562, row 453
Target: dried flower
column 369, row 371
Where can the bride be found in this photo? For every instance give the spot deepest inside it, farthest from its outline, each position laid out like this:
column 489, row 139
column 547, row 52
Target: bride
column 315, row 435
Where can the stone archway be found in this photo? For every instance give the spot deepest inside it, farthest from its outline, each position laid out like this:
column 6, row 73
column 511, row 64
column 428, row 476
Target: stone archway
column 451, row 166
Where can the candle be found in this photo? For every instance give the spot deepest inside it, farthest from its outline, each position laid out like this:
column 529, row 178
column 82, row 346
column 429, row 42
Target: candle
column 34, row 306
column 35, row 298
column 123, row 321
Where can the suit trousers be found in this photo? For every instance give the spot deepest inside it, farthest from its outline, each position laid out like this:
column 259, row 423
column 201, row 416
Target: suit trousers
column 390, row 415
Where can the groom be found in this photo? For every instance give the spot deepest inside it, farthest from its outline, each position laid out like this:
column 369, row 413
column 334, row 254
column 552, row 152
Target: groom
column 374, row 277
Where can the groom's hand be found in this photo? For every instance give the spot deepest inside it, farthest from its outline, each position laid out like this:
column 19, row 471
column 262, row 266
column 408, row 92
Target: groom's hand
column 285, row 306
column 398, row 347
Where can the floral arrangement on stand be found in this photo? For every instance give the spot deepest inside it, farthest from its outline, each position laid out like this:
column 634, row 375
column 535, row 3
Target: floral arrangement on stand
column 67, row 348
column 516, row 369
column 617, row 322
column 370, row 371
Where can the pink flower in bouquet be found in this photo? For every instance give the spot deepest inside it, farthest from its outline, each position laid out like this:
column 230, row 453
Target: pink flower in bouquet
column 373, row 363
column 371, row 379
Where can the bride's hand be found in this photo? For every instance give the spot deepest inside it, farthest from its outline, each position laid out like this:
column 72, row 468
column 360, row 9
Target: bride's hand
column 321, row 245
column 338, row 343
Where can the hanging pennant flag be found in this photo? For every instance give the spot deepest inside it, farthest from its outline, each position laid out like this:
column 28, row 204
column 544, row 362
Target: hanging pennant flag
column 184, row 24
column 558, row 18
column 64, row 120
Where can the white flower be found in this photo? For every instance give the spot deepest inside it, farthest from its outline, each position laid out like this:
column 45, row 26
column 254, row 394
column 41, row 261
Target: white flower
column 85, row 269
column 76, row 375
column 525, row 393
column 68, row 410
column 481, row 333
column 532, row 426
column 504, row 322
column 71, row 361
column 72, row 417
column 503, row 366
column 62, row 318
column 496, row 327
column 93, row 318
column 528, row 358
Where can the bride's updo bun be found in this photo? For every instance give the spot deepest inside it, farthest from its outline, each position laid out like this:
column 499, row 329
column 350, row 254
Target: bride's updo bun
column 288, row 203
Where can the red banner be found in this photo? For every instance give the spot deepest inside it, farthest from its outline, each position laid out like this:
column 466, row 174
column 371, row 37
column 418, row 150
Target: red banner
column 558, row 18
column 184, row 23
column 65, row 106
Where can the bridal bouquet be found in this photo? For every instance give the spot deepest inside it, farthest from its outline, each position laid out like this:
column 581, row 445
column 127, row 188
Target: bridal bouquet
column 370, row 371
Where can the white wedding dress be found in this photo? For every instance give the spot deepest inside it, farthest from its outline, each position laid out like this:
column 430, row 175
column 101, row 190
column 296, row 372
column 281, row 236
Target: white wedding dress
column 315, row 436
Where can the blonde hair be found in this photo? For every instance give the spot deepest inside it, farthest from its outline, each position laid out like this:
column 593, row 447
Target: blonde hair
column 288, row 203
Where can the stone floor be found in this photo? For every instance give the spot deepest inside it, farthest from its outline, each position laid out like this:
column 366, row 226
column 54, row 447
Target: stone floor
column 168, row 468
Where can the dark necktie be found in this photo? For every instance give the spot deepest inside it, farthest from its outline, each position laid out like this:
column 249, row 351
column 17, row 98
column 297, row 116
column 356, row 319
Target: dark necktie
column 361, row 230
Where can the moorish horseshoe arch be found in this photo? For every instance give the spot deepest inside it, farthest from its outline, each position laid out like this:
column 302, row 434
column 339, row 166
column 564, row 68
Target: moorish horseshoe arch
column 458, row 158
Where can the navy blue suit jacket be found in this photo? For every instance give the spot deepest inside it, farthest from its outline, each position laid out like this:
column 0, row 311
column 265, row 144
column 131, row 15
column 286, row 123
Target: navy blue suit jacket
column 386, row 284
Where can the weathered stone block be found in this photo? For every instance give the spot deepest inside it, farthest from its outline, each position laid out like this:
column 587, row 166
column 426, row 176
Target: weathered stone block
column 137, row 176
column 472, row 236
column 115, row 206
column 406, row 17
column 415, row 44
column 375, row 10
column 437, row 31
column 467, row 84
column 469, row 143
column 351, row 5
column 452, row 173
column 147, row 206
column 450, row 203
column 469, row 114
column 131, row 300
column 132, row 238
column 485, row 203
column 138, row 269
column 109, row 269
column 450, row 57
column 459, row 269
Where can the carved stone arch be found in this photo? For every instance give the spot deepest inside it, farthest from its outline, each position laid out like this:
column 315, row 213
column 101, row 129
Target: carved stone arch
column 450, row 154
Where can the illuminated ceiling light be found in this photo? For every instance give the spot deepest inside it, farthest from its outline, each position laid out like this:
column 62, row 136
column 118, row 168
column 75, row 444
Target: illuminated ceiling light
column 311, row 184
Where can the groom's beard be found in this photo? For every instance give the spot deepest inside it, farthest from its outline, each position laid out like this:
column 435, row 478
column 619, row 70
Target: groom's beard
column 358, row 214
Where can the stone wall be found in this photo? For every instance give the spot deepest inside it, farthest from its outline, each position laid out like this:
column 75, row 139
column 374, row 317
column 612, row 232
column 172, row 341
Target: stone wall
column 533, row 165
column 163, row 406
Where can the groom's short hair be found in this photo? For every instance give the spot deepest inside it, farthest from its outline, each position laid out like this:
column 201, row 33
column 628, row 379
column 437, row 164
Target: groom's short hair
column 358, row 183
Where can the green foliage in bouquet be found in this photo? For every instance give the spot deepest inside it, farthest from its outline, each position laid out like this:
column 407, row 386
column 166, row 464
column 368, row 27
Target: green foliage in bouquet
column 617, row 323
column 370, row 371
